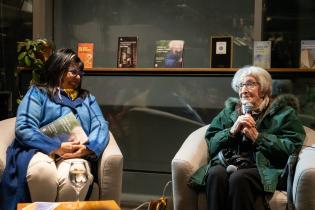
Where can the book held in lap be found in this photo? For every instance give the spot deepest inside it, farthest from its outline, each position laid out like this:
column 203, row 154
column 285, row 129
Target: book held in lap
column 64, row 127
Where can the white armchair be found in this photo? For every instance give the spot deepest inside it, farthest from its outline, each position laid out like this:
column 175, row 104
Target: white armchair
column 109, row 167
column 194, row 153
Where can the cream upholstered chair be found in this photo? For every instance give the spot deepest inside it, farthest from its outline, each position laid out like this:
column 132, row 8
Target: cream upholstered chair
column 194, row 153
column 109, row 167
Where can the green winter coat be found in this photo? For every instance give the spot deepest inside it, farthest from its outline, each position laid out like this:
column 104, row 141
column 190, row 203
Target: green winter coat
column 280, row 134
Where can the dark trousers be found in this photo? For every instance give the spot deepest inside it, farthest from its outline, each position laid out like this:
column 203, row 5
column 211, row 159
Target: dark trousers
column 236, row 191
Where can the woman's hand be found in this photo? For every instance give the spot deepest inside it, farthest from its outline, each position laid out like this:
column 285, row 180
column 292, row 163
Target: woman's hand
column 67, row 147
column 251, row 133
column 79, row 151
column 243, row 121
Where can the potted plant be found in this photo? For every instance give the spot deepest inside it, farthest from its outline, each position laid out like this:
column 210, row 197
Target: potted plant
column 32, row 55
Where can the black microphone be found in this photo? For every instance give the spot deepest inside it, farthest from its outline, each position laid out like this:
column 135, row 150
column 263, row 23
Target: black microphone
column 247, row 110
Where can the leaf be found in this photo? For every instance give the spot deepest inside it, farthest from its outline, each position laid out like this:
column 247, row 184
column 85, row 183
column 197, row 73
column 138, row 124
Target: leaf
column 39, row 61
column 28, row 44
column 19, row 47
column 32, row 55
column 21, row 55
column 42, row 41
column 27, row 61
column 18, row 101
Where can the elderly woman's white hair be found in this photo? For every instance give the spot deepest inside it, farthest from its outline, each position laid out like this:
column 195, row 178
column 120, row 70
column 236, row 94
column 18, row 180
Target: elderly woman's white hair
column 261, row 75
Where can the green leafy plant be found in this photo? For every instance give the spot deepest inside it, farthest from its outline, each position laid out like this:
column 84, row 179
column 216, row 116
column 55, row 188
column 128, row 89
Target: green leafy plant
column 32, row 54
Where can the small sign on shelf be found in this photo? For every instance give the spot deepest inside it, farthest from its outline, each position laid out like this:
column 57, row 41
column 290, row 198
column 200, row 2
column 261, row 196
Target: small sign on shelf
column 221, row 51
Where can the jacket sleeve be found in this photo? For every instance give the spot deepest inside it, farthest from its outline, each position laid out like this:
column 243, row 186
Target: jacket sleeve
column 99, row 133
column 217, row 134
column 28, row 120
column 281, row 135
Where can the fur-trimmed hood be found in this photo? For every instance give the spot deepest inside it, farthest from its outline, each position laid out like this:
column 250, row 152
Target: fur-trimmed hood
column 276, row 103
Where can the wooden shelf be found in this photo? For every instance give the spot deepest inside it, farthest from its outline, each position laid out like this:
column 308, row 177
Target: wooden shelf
column 190, row 71
column 186, row 71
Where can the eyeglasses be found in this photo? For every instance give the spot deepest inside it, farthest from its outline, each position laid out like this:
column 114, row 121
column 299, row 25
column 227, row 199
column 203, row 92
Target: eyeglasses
column 76, row 71
column 248, row 85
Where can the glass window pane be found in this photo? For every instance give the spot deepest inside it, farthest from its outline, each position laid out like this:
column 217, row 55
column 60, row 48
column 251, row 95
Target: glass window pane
column 286, row 23
column 194, row 21
column 159, row 112
column 16, row 24
column 156, row 112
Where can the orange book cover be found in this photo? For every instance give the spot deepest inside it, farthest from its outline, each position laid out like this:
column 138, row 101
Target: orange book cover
column 85, row 53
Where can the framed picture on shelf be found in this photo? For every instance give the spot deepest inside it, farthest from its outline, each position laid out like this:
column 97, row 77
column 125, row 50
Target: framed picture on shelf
column 221, row 51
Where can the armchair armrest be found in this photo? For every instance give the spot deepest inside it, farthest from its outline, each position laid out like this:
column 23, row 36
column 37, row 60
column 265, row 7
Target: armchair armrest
column 7, row 131
column 192, row 155
column 110, row 172
column 304, row 182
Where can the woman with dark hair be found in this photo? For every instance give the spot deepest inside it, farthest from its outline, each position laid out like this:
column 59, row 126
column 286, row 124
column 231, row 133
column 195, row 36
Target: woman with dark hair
column 38, row 165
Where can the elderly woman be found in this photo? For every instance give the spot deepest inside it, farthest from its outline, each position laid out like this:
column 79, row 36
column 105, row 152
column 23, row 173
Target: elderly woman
column 38, row 165
column 249, row 143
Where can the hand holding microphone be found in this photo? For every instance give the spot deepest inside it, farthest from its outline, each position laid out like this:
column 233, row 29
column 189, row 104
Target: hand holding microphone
column 246, row 125
column 243, row 121
column 247, row 111
column 249, row 130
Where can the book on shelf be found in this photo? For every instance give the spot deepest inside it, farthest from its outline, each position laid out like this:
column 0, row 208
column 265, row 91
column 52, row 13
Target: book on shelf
column 262, row 54
column 127, row 52
column 85, row 53
column 221, row 51
column 169, row 54
column 307, row 57
column 65, row 126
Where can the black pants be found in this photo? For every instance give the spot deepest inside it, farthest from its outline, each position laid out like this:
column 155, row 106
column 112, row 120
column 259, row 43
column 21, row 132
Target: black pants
column 237, row 191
